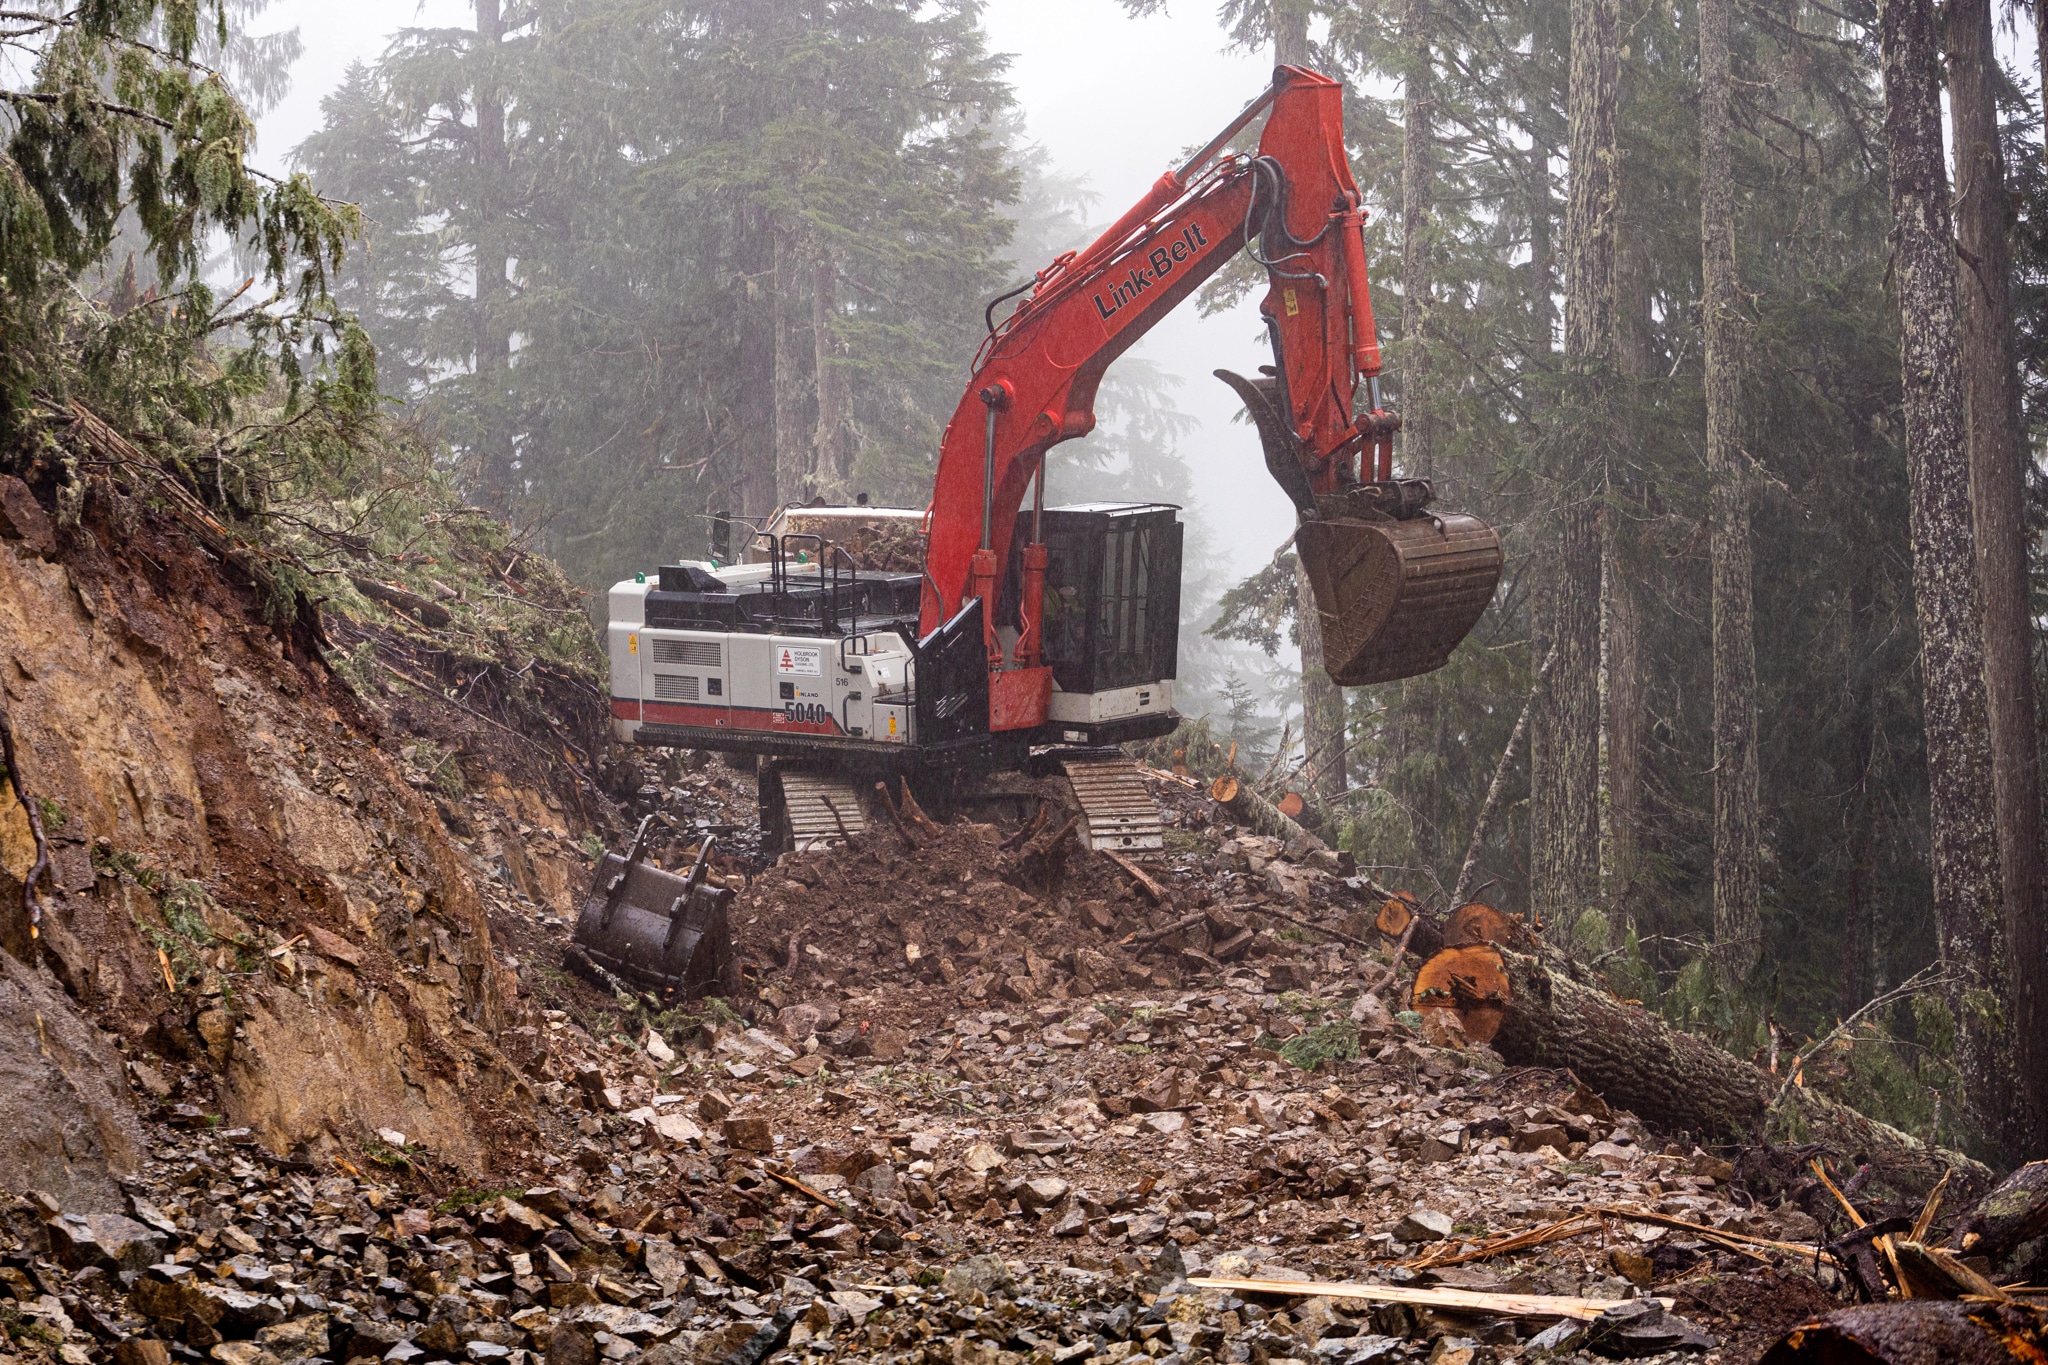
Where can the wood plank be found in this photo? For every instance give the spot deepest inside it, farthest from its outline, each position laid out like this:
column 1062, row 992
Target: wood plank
column 1457, row 1300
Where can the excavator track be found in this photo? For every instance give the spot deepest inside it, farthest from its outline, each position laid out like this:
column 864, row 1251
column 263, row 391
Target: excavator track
column 819, row 809
column 1122, row 817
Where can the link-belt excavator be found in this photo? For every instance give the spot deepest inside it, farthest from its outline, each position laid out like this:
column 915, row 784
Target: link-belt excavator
column 976, row 637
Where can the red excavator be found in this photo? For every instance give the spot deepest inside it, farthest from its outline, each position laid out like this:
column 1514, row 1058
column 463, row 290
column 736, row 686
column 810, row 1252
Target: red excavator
column 974, row 637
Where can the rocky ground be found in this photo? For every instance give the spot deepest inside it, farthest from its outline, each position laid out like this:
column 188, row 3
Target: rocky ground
column 972, row 1105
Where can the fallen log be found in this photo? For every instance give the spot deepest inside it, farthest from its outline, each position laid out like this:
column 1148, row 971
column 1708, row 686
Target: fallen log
column 2015, row 1212
column 429, row 613
column 1473, row 923
column 1250, row 808
column 1917, row 1332
column 1555, row 1014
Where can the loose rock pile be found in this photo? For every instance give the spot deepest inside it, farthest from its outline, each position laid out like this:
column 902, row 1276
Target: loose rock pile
column 957, row 1118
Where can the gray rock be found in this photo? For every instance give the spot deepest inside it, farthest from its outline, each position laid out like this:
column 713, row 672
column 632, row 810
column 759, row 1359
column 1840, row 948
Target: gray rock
column 615, row 1319
column 65, row 1104
column 978, row 1275
column 1559, row 1336
column 107, row 1240
column 1641, row 1327
column 297, row 1338
column 1423, row 1225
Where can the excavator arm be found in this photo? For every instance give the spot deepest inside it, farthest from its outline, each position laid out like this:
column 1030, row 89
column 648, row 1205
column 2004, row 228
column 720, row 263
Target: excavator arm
column 1327, row 441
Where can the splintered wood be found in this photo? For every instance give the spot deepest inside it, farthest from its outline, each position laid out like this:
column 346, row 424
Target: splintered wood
column 1593, row 1219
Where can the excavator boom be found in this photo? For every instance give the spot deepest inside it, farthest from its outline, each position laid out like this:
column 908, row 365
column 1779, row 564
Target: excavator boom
column 1396, row 588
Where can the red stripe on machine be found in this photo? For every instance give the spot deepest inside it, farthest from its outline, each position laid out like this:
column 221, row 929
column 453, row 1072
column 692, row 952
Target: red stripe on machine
column 720, row 717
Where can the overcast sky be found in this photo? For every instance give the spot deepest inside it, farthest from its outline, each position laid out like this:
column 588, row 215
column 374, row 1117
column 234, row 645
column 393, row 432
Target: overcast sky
column 1112, row 98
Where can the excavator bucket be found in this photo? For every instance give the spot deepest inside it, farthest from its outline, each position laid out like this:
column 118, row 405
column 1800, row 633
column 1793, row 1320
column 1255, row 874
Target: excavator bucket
column 656, row 931
column 1395, row 596
column 1396, row 586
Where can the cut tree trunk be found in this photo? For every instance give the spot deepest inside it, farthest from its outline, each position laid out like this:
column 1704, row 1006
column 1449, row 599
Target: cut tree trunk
column 1998, row 498
column 1262, row 815
column 1969, row 905
column 1917, row 1332
column 1556, row 1015
column 1468, row 981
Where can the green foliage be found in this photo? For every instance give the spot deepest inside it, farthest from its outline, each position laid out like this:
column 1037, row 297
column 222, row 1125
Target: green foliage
column 392, row 1158
column 671, row 172
column 122, row 132
column 1337, row 1041
column 53, row 815
column 1589, row 933
column 469, row 1199
column 1257, row 609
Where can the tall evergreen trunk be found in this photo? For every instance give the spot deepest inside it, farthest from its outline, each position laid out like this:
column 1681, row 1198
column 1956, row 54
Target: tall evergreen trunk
column 1862, row 978
column 1738, row 929
column 1962, row 812
column 754, row 399
column 1418, row 189
column 1565, row 805
column 1623, row 614
column 834, row 438
column 492, row 322
column 1541, row 207
column 1322, row 701
column 1991, row 390
column 792, row 434
column 1413, row 725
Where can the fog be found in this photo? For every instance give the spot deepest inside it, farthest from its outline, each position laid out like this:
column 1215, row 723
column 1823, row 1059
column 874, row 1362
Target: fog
column 1113, row 99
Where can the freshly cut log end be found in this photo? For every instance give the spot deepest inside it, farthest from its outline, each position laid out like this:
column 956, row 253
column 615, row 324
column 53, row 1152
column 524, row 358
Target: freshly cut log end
column 1396, row 597
column 1471, row 983
column 1475, row 923
column 1917, row 1332
column 1223, row 789
column 1395, row 915
column 1291, row 805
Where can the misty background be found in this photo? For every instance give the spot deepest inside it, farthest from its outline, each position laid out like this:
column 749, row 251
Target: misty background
column 1113, row 100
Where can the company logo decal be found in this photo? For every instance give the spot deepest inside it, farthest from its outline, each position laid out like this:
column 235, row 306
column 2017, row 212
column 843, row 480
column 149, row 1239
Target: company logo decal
column 1160, row 262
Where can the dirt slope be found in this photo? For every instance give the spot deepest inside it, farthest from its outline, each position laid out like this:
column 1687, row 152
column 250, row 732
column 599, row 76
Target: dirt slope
column 250, row 894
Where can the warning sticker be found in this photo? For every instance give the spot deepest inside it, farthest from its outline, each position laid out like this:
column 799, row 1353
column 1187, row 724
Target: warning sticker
column 791, row 659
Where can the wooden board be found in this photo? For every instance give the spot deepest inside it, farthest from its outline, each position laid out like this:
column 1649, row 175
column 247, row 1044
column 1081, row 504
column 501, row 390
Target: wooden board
column 1456, row 1300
